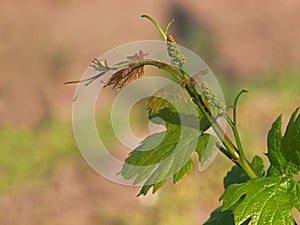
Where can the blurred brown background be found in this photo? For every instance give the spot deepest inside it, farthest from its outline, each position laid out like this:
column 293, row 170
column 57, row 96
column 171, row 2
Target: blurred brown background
column 44, row 43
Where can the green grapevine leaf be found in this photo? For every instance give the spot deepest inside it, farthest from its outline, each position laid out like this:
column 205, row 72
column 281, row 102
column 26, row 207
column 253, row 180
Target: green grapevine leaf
column 234, row 176
column 237, row 176
column 284, row 151
column 187, row 169
column 168, row 154
column 264, row 200
column 206, row 149
column 219, row 217
column 276, row 158
column 291, row 143
column 297, row 204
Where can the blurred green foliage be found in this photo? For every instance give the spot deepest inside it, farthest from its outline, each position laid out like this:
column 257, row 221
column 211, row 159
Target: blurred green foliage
column 31, row 154
column 284, row 84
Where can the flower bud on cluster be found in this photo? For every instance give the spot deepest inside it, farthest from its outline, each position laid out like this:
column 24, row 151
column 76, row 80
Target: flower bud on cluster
column 177, row 59
column 216, row 106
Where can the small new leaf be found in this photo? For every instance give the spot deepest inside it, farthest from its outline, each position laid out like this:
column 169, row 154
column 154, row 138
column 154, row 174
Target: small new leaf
column 264, row 200
column 128, row 74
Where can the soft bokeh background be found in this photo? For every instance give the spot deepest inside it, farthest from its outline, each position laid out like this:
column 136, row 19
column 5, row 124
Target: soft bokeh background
column 44, row 180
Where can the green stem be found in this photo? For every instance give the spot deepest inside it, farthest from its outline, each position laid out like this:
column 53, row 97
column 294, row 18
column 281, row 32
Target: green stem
column 157, row 26
column 168, row 26
column 243, row 163
column 223, row 150
column 236, row 135
column 247, row 168
column 235, row 103
column 233, row 124
column 162, row 66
